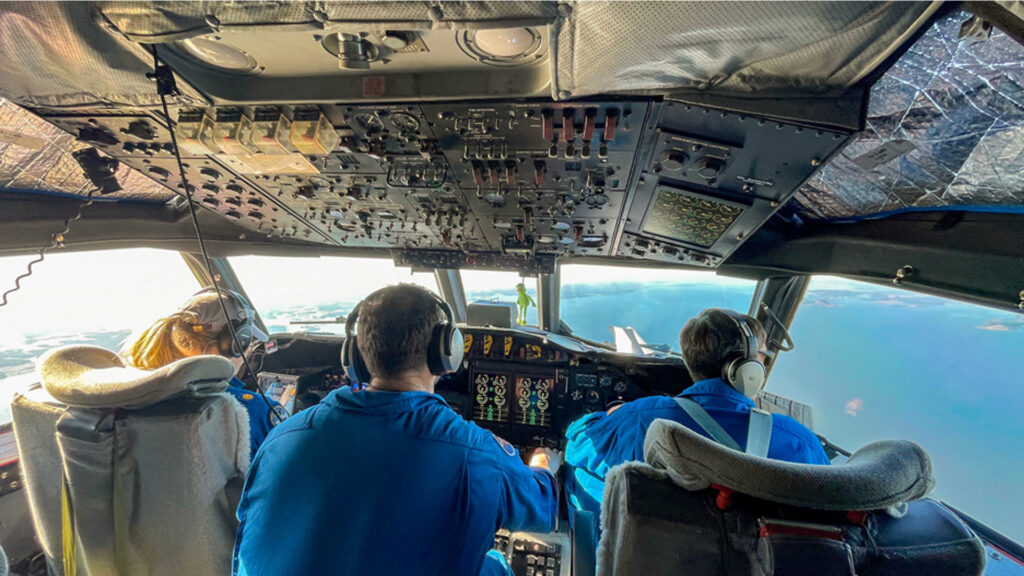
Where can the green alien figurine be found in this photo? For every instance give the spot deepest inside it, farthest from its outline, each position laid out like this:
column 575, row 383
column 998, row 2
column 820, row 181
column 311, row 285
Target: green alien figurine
column 524, row 303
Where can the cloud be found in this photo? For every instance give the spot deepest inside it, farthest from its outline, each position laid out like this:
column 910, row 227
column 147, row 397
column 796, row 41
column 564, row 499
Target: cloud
column 854, row 406
column 994, row 327
column 1006, row 324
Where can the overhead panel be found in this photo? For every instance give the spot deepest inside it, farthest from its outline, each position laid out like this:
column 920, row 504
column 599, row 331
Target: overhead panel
column 709, row 178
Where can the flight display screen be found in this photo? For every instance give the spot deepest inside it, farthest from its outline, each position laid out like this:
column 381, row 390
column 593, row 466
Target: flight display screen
column 533, row 407
column 492, row 402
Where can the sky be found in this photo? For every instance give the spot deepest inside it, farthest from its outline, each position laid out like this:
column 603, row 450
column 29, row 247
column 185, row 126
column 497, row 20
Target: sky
column 874, row 362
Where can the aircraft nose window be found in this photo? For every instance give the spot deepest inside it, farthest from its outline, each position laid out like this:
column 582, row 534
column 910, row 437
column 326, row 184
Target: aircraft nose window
column 316, row 294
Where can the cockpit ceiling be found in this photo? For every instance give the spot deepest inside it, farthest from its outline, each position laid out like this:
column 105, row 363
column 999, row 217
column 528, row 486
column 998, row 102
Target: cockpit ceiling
column 945, row 127
column 84, row 54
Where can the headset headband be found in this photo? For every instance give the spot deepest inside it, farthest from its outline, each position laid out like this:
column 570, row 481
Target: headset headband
column 350, row 322
column 750, row 343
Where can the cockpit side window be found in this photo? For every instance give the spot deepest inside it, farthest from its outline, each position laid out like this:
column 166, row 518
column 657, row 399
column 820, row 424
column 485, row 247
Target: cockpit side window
column 97, row 298
column 654, row 302
column 878, row 362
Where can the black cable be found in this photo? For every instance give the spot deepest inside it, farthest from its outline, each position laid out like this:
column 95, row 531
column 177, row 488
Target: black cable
column 163, row 87
column 55, row 240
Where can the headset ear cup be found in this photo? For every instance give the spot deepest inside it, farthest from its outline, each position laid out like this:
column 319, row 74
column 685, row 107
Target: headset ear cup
column 226, row 344
column 437, row 360
column 352, row 360
column 750, row 377
column 458, row 349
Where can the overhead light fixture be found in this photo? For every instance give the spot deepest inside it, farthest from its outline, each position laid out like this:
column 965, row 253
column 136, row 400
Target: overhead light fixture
column 501, row 46
column 353, row 51
column 218, row 54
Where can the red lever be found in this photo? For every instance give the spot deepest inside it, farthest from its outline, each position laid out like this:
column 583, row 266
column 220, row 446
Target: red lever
column 611, row 120
column 548, row 128
column 568, row 127
column 589, row 117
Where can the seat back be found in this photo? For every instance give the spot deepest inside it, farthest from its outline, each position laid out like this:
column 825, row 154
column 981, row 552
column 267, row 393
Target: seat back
column 132, row 472
column 699, row 508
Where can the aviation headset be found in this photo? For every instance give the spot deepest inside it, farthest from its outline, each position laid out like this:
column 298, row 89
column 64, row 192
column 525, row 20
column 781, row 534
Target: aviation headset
column 744, row 372
column 240, row 314
column 444, row 352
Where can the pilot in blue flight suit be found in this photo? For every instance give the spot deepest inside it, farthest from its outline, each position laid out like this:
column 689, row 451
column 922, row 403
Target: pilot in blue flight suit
column 711, row 343
column 200, row 327
column 389, row 480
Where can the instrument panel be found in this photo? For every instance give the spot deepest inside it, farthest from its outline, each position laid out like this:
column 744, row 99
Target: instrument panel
column 528, row 388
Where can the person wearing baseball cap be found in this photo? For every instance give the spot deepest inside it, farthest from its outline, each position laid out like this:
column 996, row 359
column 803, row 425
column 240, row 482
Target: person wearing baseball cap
column 200, row 327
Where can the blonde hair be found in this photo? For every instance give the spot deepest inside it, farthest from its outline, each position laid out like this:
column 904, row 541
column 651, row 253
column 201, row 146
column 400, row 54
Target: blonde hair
column 167, row 340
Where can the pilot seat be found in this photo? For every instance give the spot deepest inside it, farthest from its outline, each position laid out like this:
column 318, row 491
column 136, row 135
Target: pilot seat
column 130, row 471
column 697, row 507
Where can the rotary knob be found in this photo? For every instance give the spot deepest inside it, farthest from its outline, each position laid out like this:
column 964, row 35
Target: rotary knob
column 709, row 167
column 673, row 160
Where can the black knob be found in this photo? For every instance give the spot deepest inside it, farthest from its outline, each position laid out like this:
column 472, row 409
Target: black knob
column 709, row 167
column 673, row 160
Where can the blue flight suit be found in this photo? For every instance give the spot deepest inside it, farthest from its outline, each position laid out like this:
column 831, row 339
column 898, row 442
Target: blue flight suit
column 377, row 482
column 260, row 418
column 600, row 440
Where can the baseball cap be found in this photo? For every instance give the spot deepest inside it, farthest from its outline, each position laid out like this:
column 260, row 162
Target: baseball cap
column 209, row 317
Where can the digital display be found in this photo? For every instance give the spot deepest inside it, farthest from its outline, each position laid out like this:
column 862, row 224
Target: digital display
column 491, row 404
column 533, row 400
column 690, row 218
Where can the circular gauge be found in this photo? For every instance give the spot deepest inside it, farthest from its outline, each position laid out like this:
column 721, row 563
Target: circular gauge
column 606, row 380
column 499, row 401
column 524, row 402
column 542, row 385
column 542, row 394
column 620, row 387
column 404, row 122
column 597, row 200
column 499, row 389
column 369, row 122
column 481, row 388
column 542, row 405
column 481, row 379
column 481, row 399
column 500, row 381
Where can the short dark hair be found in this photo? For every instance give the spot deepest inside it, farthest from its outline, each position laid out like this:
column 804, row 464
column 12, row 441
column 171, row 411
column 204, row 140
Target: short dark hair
column 394, row 329
column 711, row 339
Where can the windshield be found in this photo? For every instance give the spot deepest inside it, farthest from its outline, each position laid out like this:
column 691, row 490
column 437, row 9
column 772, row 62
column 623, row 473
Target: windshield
column 878, row 362
column 483, row 286
column 654, row 302
column 95, row 298
column 305, row 294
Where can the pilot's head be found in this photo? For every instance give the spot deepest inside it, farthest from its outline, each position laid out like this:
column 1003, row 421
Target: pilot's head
column 713, row 339
column 395, row 328
column 198, row 327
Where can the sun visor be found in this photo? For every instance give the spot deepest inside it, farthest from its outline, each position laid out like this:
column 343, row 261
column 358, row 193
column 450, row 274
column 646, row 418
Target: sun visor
column 158, row 22
column 751, row 48
column 62, row 54
column 945, row 127
column 87, row 54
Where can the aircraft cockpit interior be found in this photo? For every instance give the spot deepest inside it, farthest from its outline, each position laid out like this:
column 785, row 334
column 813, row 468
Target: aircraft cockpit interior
column 574, row 180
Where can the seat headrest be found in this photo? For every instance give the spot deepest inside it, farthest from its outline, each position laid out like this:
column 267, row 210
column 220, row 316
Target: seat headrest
column 92, row 377
column 879, row 475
